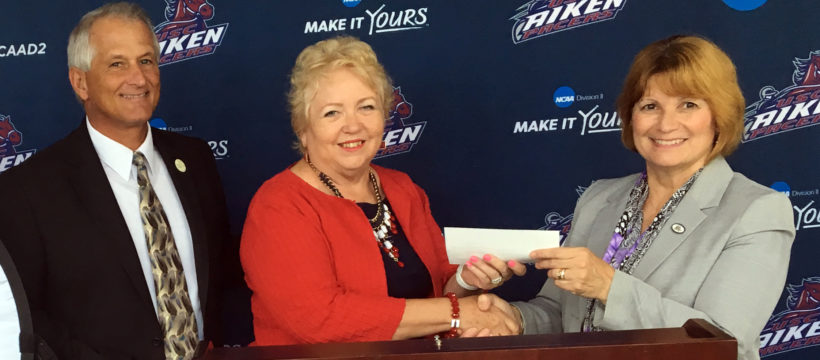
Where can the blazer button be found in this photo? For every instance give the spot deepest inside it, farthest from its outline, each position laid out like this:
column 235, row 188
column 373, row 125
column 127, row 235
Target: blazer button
column 156, row 342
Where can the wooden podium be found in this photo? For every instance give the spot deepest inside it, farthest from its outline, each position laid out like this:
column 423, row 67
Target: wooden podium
column 697, row 339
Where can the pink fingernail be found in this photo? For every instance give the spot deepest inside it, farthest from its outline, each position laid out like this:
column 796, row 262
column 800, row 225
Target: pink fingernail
column 487, row 257
column 511, row 263
column 469, row 265
column 474, row 258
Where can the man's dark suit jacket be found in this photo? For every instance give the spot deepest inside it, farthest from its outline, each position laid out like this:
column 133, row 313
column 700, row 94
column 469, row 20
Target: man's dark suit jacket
column 63, row 227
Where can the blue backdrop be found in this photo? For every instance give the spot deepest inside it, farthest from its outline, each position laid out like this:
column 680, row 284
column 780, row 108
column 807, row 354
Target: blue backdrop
column 504, row 111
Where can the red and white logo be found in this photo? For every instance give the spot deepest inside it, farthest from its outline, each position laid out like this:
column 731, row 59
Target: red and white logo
column 185, row 34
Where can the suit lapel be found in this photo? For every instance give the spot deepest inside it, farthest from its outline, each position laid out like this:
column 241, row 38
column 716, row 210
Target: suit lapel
column 602, row 229
column 94, row 192
column 605, row 220
column 688, row 214
column 186, row 190
column 705, row 193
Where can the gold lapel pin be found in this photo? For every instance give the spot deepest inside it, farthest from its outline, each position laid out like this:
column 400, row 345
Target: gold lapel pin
column 180, row 165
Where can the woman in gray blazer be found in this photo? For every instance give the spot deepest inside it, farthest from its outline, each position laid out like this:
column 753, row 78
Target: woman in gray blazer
column 687, row 237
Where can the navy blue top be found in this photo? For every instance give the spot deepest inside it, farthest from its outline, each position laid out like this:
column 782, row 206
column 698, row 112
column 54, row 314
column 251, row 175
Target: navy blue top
column 411, row 281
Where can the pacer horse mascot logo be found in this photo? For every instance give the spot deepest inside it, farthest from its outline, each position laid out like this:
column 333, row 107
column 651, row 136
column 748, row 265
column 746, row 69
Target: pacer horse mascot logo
column 399, row 134
column 796, row 106
column 401, row 108
column 802, row 298
column 10, row 138
column 185, row 34
column 798, row 325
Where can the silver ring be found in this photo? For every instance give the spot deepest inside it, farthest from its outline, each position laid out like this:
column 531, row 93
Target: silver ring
column 497, row 280
column 561, row 274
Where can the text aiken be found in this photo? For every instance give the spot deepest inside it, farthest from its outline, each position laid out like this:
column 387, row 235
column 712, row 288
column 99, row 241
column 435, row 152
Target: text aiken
column 179, row 44
column 791, row 334
column 399, row 136
column 792, row 112
column 380, row 21
column 7, row 162
column 402, row 139
column 563, row 14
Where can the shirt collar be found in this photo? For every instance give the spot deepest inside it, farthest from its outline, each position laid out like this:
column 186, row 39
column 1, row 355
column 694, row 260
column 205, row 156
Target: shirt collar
column 119, row 157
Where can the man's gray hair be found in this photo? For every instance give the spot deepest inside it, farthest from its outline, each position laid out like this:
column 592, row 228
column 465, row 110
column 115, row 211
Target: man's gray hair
column 80, row 51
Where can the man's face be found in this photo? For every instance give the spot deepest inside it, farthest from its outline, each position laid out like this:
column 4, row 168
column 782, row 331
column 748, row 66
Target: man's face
column 121, row 89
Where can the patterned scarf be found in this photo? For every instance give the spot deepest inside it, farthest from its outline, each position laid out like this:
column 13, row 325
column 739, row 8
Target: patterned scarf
column 628, row 244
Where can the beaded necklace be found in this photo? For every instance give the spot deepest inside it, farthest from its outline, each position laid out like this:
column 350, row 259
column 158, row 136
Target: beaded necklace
column 383, row 223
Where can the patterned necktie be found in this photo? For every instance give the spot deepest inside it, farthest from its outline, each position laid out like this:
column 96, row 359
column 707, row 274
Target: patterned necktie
column 176, row 315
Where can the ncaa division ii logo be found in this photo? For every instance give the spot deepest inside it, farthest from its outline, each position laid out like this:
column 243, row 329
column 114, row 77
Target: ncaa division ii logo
column 796, row 106
column 185, row 34
column 10, row 138
column 538, row 18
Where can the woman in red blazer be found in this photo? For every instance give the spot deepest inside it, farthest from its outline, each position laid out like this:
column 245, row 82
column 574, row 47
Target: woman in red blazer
column 338, row 250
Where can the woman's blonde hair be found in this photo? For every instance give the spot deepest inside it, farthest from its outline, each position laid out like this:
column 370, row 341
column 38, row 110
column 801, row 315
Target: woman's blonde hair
column 324, row 56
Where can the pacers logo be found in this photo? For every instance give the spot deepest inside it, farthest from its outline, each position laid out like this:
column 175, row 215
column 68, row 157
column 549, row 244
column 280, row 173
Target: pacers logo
column 794, row 107
column 799, row 325
column 10, row 139
column 537, row 18
column 185, row 34
column 400, row 134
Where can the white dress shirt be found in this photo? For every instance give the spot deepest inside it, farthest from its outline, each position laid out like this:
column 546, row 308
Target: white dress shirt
column 122, row 175
column 9, row 322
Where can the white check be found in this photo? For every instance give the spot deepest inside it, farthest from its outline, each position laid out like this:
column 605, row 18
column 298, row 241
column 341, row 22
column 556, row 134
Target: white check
column 462, row 243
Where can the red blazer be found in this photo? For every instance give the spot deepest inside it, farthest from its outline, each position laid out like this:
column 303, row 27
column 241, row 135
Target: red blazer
column 314, row 265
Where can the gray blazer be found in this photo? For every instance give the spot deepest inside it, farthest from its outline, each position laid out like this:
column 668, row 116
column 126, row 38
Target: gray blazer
column 728, row 266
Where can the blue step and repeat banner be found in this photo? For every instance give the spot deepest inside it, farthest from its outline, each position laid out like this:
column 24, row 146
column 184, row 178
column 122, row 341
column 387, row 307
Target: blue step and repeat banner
column 504, row 110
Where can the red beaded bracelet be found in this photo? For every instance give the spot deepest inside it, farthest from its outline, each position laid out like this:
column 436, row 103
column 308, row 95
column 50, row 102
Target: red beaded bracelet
column 455, row 322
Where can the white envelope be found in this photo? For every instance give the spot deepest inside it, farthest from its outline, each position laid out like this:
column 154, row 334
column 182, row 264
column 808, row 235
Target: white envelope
column 462, row 243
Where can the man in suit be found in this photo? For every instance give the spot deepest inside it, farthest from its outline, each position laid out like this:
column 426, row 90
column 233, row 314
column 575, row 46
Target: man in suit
column 117, row 229
column 10, row 298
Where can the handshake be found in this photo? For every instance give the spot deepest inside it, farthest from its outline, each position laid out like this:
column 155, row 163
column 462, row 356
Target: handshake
column 573, row 269
column 489, row 315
